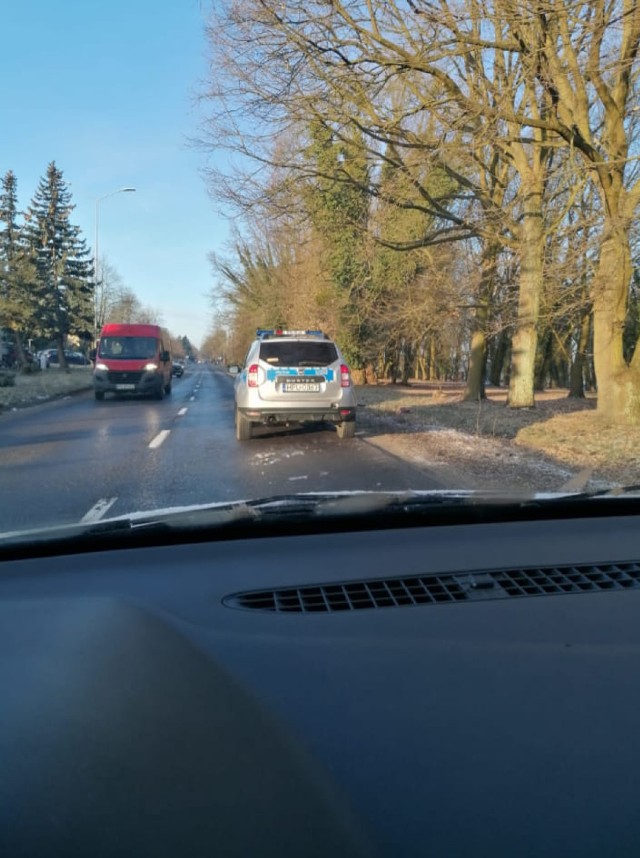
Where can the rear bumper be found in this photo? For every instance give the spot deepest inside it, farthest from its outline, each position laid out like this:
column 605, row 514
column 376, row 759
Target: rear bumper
column 275, row 416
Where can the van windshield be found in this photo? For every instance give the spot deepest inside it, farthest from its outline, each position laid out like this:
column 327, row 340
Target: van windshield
column 128, row 348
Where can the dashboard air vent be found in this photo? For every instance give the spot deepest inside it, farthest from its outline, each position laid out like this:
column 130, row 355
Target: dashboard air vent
column 439, row 589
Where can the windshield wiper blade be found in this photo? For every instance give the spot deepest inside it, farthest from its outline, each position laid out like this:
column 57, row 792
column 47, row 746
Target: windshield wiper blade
column 319, row 504
column 320, row 512
column 611, row 492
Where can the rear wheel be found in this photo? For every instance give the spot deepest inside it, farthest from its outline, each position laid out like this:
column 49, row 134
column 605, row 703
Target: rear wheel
column 159, row 394
column 243, row 427
column 99, row 394
column 346, row 429
column 167, row 389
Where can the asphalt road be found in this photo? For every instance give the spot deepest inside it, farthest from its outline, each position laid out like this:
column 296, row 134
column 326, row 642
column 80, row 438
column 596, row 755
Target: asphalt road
column 76, row 458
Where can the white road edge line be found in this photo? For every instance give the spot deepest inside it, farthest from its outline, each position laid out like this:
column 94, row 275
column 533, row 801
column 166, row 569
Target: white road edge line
column 182, row 412
column 98, row 510
column 160, row 437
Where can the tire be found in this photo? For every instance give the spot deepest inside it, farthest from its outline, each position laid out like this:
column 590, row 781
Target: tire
column 167, row 389
column 243, row 427
column 159, row 394
column 99, row 394
column 346, row 429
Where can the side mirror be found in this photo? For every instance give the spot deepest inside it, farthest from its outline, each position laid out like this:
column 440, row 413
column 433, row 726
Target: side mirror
column 165, row 356
column 233, row 370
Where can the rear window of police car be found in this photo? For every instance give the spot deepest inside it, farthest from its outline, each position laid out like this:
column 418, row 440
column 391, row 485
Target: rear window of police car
column 300, row 353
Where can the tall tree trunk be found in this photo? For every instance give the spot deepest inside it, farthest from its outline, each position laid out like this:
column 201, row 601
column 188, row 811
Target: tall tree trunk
column 20, row 354
column 589, row 368
column 618, row 383
column 62, row 360
column 498, row 359
column 560, row 364
column 543, row 361
column 407, row 362
column 474, row 389
column 433, row 357
column 576, row 385
column 525, row 338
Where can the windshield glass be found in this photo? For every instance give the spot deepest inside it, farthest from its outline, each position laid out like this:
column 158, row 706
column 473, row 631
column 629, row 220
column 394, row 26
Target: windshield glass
column 369, row 247
column 128, row 348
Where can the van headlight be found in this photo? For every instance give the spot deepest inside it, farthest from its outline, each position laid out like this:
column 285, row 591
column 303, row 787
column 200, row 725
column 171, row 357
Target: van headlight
column 150, row 367
column 102, row 367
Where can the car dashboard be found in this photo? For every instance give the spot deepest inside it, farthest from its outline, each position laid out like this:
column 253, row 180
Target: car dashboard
column 425, row 691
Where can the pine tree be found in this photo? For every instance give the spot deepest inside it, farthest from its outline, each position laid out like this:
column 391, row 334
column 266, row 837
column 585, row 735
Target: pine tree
column 17, row 273
column 64, row 292
column 187, row 346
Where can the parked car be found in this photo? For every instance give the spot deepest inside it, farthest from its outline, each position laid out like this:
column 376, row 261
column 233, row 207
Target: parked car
column 73, row 358
column 77, row 359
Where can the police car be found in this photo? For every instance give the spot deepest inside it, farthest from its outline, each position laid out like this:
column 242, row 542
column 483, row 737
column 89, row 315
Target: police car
column 292, row 377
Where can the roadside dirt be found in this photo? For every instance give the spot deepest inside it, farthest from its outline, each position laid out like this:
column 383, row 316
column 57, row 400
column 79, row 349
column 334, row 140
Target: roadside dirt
column 560, row 444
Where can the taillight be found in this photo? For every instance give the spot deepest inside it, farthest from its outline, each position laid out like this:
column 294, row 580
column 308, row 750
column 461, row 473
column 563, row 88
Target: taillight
column 345, row 378
column 252, row 375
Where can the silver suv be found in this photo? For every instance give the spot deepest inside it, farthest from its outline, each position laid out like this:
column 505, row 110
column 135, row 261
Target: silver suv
column 294, row 377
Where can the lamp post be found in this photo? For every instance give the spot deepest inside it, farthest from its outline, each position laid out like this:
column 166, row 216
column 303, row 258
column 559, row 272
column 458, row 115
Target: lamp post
column 96, row 257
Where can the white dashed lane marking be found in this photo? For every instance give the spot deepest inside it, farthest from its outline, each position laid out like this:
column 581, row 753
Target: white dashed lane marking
column 160, row 437
column 192, row 399
column 98, row 510
column 182, row 412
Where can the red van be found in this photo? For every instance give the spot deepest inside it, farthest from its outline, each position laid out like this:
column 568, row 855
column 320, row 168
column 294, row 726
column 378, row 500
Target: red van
column 133, row 359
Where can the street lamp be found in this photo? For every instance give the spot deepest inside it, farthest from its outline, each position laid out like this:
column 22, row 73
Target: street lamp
column 96, row 257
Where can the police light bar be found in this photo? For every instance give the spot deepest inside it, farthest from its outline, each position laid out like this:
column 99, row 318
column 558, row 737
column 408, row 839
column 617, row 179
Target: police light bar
column 279, row 332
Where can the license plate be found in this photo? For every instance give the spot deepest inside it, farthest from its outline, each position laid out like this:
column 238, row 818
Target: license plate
column 125, row 387
column 301, row 388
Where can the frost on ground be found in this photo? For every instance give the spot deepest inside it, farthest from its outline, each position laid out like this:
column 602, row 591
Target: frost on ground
column 271, row 457
column 38, row 387
column 465, row 461
column 486, row 445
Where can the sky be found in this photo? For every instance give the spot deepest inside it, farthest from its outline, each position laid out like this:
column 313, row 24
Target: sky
column 109, row 92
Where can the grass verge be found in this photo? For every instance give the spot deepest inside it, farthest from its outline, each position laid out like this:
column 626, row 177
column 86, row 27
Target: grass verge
column 588, row 442
column 567, row 433
column 40, row 386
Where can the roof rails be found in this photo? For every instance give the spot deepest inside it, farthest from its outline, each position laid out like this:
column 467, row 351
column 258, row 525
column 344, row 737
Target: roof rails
column 262, row 333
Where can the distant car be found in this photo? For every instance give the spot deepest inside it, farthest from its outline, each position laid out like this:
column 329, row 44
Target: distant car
column 178, row 369
column 72, row 358
column 294, row 377
column 77, row 359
